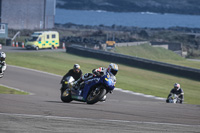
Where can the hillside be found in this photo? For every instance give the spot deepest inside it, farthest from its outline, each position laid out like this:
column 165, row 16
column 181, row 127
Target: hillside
column 158, row 6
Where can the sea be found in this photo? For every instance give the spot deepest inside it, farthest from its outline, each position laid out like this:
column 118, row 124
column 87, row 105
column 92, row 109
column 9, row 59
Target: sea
column 135, row 19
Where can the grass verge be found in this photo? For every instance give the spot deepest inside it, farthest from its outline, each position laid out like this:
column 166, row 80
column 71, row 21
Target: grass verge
column 129, row 78
column 6, row 90
column 158, row 54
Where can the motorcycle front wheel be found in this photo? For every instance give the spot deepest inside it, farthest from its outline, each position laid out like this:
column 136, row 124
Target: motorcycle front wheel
column 96, row 95
column 66, row 96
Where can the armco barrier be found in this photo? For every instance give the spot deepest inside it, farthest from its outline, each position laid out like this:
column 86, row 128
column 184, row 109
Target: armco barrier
column 176, row 70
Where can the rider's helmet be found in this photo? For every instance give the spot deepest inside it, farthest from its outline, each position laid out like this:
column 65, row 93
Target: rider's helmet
column 113, row 68
column 177, row 86
column 2, row 56
column 76, row 68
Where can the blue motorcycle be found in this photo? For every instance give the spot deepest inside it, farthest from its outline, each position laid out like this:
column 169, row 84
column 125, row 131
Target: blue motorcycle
column 91, row 91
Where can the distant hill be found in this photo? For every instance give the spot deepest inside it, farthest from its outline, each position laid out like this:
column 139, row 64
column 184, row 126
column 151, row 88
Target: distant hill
column 158, row 6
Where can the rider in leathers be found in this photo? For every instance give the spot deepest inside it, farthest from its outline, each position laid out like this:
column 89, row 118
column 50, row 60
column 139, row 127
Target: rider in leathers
column 112, row 70
column 76, row 73
column 178, row 91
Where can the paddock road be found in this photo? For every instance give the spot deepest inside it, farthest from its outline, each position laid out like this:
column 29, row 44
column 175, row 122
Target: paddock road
column 43, row 112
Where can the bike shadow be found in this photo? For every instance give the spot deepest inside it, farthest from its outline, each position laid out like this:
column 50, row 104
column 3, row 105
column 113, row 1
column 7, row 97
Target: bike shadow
column 73, row 102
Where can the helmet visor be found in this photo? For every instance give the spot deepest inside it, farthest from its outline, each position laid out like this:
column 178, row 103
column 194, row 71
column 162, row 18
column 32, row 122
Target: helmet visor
column 76, row 70
column 176, row 87
column 114, row 72
column 2, row 59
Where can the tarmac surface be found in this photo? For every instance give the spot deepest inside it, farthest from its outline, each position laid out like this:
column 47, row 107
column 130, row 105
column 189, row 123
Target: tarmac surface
column 43, row 111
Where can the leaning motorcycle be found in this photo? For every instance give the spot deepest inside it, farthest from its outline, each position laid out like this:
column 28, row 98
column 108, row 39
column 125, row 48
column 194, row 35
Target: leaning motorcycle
column 91, row 91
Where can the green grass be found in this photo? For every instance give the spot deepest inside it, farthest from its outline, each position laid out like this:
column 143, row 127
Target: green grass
column 158, row 54
column 129, row 78
column 6, row 90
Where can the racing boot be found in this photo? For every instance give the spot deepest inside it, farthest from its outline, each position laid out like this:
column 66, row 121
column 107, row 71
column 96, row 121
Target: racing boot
column 103, row 99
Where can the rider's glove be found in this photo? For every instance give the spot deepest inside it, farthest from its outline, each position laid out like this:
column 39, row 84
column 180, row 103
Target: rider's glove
column 75, row 82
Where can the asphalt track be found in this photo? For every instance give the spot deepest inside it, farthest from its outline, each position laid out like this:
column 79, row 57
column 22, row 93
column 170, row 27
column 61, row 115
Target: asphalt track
column 44, row 112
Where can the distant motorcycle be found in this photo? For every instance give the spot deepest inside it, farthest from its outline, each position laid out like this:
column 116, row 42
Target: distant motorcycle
column 174, row 99
column 1, row 73
column 91, row 91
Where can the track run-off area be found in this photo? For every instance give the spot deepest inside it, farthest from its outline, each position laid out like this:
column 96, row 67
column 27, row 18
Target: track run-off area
column 123, row 112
